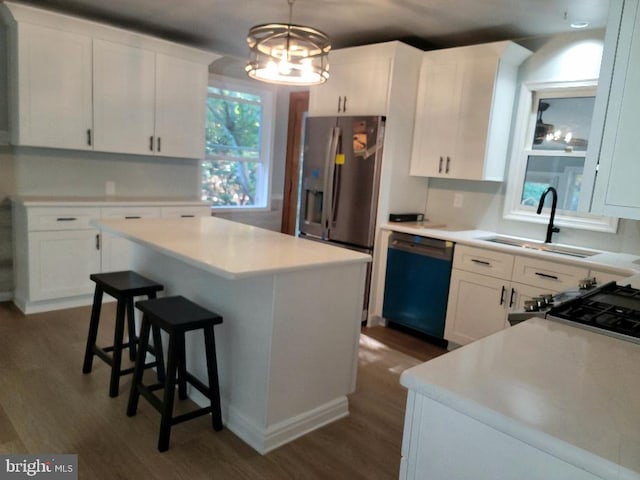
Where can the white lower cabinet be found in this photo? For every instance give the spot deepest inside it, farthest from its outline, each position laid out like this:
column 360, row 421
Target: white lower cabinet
column 486, row 285
column 60, row 263
column 476, row 308
column 56, row 249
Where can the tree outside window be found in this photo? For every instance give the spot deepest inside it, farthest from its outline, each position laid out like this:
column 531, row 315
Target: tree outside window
column 236, row 164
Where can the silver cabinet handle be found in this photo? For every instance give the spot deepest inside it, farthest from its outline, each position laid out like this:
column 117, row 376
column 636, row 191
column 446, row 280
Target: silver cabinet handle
column 89, row 136
column 97, row 241
column 504, row 290
column 187, row 216
column 159, row 148
column 513, row 292
column 151, row 143
column 132, row 217
column 339, row 103
column 446, row 170
column 66, row 219
column 440, row 165
column 344, row 104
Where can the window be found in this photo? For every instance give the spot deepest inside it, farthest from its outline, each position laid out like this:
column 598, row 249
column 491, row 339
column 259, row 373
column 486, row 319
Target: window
column 238, row 143
column 549, row 149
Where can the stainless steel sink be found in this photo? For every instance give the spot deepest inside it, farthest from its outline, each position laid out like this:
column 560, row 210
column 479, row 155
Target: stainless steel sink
column 545, row 247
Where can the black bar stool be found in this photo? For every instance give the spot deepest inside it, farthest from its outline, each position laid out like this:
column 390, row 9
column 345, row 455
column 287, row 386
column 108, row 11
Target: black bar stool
column 123, row 286
column 176, row 316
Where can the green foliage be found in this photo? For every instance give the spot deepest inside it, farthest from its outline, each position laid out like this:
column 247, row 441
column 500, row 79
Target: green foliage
column 232, row 167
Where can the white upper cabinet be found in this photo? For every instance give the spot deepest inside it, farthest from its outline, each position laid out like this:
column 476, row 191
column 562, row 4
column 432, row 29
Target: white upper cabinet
column 463, row 114
column 54, row 89
column 358, row 83
column 124, row 96
column 180, row 107
column 616, row 190
column 84, row 85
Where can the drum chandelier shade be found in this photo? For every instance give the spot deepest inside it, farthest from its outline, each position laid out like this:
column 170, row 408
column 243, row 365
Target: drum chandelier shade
column 288, row 54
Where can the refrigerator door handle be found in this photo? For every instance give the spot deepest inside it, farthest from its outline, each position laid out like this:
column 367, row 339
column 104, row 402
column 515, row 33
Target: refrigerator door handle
column 329, row 168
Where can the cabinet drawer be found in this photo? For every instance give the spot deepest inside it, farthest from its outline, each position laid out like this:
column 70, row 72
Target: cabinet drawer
column 73, row 218
column 130, row 212
column 186, row 212
column 484, row 262
column 547, row 275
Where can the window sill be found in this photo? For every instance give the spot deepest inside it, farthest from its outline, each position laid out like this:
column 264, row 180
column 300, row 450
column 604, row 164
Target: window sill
column 593, row 223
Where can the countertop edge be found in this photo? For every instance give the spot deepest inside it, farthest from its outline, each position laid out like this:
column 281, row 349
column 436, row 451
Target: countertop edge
column 225, row 273
column 545, row 442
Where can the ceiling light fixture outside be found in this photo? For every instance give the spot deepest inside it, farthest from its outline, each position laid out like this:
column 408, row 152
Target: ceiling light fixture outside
column 288, row 54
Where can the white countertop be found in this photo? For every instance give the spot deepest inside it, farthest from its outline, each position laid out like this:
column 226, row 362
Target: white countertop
column 106, row 201
column 564, row 390
column 230, row 249
column 621, row 263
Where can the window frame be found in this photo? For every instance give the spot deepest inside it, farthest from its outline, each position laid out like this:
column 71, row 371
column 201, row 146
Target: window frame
column 526, row 114
column 267, row 132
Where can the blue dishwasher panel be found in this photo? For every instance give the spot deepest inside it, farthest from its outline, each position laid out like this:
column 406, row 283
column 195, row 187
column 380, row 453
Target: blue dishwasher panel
column 416, row 291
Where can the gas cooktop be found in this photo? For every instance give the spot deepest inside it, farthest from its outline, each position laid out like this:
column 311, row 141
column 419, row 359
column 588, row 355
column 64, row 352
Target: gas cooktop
column 610, row 309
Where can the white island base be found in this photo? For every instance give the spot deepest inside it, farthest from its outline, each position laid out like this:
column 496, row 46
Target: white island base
column 287, row 347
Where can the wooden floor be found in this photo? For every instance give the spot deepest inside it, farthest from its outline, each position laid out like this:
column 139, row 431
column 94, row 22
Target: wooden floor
column 48, row 406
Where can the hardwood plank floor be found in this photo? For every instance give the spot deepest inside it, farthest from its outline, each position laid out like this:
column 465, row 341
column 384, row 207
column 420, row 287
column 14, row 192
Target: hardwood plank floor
column 48, row 406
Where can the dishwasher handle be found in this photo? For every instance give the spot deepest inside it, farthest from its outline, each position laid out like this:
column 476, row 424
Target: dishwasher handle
column 425, row 246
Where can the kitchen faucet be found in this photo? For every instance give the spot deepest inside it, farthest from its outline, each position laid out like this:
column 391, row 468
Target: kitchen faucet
column 554, row 202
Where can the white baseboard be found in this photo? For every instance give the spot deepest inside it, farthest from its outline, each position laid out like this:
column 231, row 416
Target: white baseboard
column 6, row 296
column 264, row 440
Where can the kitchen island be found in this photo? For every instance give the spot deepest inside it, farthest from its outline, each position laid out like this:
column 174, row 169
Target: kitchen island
column 287, row 350
column 541, row 400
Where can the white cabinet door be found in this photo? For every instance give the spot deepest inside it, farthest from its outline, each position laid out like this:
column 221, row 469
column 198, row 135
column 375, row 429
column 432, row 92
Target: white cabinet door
column 463, row 115
column 181, row 96
column 358, row 84
column 60, row 263
column 123, row 98
column 616, row 190
column 476, row 82
column 116, row 251
column 477, row 306
column 53, row 89
column 436, row 119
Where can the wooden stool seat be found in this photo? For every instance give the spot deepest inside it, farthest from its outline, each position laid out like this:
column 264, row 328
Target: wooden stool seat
column 123, row 286
column 176, row 316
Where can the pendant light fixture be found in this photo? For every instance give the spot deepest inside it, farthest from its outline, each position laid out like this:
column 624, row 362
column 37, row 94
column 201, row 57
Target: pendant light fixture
column 288, row 54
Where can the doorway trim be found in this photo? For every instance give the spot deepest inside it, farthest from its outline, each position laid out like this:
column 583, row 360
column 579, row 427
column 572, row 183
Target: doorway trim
column 298, row 106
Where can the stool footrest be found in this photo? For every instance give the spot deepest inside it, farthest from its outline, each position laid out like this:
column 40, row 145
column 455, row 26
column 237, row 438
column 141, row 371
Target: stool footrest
column 127, row 371
column 198, row 384
column 147, row 393
column 190, row 415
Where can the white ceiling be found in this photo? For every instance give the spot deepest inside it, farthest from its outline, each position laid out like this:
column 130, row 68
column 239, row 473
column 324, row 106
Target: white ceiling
column 221, row 25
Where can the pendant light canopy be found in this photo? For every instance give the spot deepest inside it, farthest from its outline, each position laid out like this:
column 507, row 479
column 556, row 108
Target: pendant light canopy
column 288, row 54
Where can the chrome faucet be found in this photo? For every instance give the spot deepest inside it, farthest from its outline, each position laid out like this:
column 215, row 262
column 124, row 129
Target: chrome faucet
column 554, row 202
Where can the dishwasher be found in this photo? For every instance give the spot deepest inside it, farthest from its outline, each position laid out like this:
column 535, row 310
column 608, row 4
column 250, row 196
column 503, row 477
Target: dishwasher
column 417, row 283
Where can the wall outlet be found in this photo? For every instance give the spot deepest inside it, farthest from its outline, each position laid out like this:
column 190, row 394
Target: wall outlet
column 110, row 187
column 457, row 200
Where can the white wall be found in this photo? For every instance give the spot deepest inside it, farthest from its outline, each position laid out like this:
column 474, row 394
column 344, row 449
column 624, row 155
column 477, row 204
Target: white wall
column 555, row 59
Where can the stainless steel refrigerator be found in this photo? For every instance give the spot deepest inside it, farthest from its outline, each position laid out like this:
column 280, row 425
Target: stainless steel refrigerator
column 340, row 181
